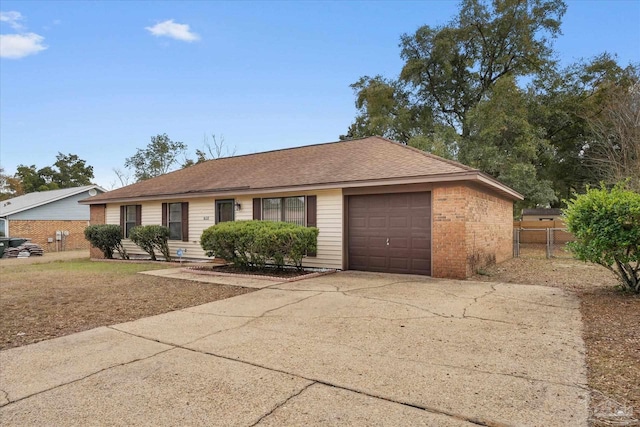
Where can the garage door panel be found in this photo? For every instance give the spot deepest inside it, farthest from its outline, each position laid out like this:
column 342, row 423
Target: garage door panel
column 402, row 218
column 421, row 254
column 420, row 222
column 420, row 267
column 357, row 222
column 399, row 200
column 358, row 203
column 377, row 262
column 399, row 263
column 379, row 251
column 358, row 242
column 377, row 222
column 377, row 241
column 418, row 243
column 399, row 221
column 421, row 200
column 398, row 242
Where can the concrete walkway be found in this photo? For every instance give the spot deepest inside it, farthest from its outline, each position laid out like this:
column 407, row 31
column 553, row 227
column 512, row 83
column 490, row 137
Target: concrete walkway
column 342, row 349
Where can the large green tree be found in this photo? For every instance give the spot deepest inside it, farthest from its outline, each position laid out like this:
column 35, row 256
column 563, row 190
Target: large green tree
column 67, row 171
column 10, row 186
column 503, row 143
column 160, row 156
column 486, row 89
column 566, row 103
column 71, row 171
column 449, row 69
column 446, row 98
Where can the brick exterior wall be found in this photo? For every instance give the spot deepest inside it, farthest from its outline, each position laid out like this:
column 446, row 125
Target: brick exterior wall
column 97, row 215
column 472, row 228
column 40, row 231
column 489, row 231
column 448, row 249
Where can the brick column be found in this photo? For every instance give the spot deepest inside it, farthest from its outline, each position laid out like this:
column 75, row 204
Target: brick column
column 448, row 245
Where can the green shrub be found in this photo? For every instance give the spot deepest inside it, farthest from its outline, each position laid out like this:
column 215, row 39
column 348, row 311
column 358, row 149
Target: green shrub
column 606, row 224
column 256, row 243
column 151, row 238
column 107, row 238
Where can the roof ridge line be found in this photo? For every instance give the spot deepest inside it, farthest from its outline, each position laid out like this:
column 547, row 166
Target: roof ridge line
column 287, row 149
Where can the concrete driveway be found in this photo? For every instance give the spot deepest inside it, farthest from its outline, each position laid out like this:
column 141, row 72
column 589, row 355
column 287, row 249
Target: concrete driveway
column 344, row 349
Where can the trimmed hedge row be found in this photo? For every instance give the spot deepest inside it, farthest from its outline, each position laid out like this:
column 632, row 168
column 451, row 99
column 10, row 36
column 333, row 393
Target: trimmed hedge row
column 257, row 243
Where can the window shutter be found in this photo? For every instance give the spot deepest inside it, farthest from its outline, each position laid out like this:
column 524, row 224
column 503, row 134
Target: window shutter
column 138, row 214
column 165, row 218
column 312, row 203
column 122, row 216
column 257, row 208
column 312, row 213
column 185, row 222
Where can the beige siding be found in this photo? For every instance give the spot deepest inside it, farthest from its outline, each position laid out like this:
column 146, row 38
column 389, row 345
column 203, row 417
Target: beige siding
column 202, row 216
column 199, row 210
column 329, row 217
column 330, row 226
column 246, row 208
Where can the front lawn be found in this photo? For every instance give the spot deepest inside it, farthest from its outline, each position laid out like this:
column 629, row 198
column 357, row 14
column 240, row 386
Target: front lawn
column 43, row 301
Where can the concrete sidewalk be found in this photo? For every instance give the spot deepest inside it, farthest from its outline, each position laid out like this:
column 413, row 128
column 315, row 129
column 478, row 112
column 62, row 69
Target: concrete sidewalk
column 343, row 349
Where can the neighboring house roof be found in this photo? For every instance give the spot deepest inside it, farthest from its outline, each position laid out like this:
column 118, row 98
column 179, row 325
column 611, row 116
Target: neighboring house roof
column 360, row 162
column 39, row 198
column 542, row 211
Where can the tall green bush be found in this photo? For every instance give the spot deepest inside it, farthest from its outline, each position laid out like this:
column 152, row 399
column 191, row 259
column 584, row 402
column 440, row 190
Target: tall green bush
column 107, row 238
column 258, row 243
column 606, row 224
column 151, row 238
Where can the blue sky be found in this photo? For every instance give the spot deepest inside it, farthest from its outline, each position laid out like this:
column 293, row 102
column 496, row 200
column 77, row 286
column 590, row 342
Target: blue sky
column 98, row 79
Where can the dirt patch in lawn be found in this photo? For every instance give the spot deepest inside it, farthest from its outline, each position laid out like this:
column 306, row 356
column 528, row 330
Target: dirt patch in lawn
column 611, row 329
column 43, row 301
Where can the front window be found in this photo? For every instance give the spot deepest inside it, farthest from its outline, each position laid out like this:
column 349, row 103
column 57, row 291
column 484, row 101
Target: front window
column 130, row 219
column 175, row 221
column 272, row 209
column 286, row 209
column 224, row 210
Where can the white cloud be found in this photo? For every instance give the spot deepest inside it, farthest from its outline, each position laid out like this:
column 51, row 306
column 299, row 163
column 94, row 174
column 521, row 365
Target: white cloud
column 15, row 46
column 12, row 18
column 175, row 31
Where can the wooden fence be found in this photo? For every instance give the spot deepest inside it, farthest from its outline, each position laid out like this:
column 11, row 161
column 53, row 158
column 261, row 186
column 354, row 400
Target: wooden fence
column 536, row 231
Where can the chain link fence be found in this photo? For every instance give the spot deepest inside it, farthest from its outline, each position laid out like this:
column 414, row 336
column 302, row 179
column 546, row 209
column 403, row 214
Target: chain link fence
column 541, row 242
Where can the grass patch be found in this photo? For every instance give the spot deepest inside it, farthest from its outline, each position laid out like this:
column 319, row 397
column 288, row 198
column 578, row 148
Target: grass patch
column 43, row 301
column 84, row 265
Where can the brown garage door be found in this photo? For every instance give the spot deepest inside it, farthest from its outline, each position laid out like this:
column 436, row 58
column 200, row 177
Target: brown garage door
column 390, row 233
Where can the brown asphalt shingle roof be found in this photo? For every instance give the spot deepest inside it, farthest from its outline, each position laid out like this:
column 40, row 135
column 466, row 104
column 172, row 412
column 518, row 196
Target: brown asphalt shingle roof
column 364, row 159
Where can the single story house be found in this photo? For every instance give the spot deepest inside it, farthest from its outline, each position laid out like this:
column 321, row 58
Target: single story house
column 52, row 219
column 542, row 214
column 379, row 206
